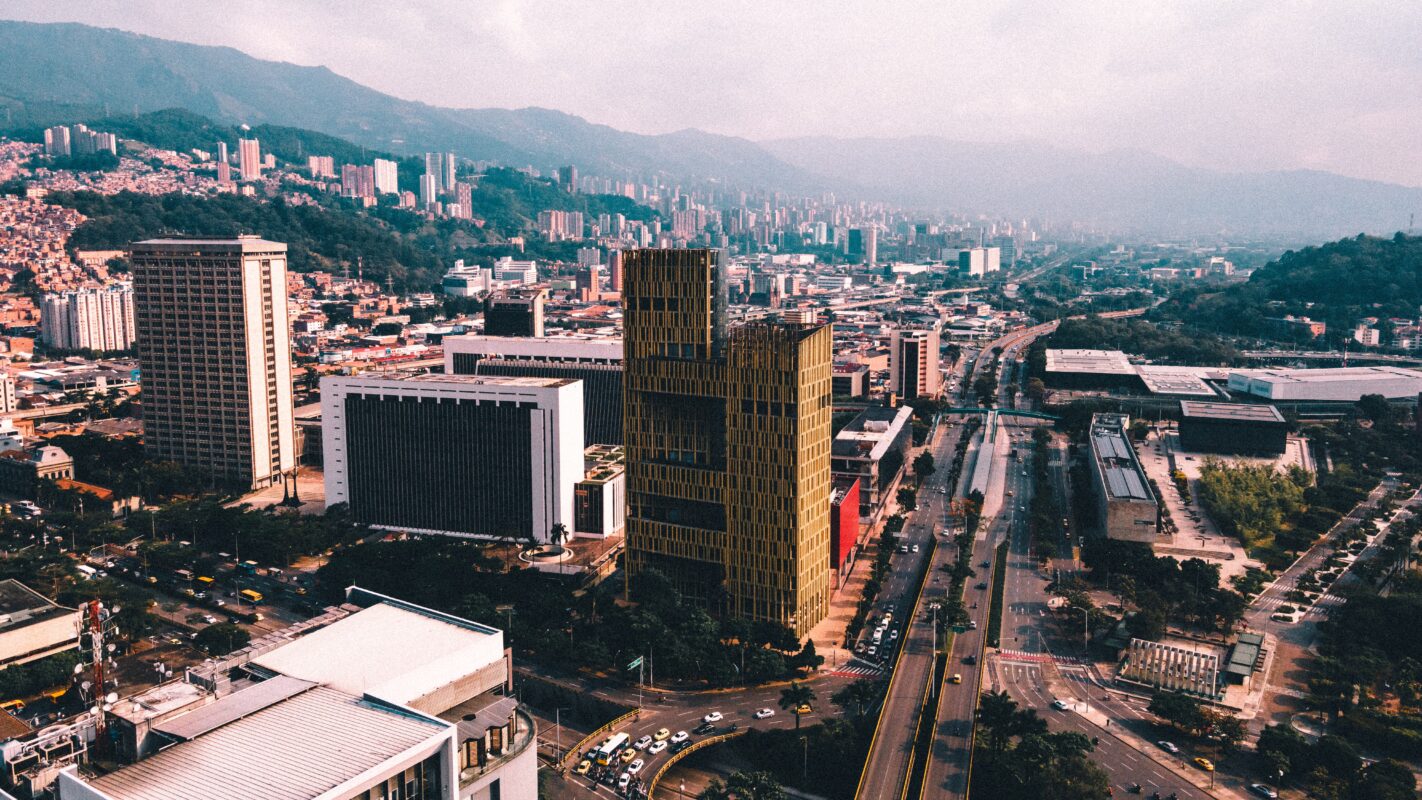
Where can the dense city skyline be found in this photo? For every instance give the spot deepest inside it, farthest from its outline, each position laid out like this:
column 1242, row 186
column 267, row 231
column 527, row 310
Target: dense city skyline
column 1216, row 86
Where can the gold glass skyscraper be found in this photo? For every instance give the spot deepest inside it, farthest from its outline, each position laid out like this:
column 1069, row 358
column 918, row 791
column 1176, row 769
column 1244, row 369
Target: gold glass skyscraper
column 727, row 435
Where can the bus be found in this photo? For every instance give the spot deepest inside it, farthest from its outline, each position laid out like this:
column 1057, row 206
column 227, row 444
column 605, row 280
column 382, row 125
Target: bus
column 606, row 753
column 204, row 581
column 251, row 596
column 183, row 575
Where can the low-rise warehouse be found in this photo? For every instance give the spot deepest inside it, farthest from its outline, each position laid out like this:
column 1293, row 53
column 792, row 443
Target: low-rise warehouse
column 1342, row 385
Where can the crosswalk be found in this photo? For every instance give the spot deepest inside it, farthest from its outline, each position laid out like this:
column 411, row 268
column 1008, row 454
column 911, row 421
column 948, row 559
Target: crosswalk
column 858, row 671
column 1038, row 658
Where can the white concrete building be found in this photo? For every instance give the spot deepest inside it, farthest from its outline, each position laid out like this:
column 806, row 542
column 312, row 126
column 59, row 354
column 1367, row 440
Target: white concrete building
column 457, row 455
column 1343, row 384
column 519, row 272
column 384, row 700
column 89, row 319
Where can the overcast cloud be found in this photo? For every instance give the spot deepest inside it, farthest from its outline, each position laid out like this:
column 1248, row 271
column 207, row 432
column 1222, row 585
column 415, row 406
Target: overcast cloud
column 1227, row 85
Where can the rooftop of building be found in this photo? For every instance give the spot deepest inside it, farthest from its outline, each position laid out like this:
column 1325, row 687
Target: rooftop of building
column 1230, row 412
column 21, row 605
column 1125, row 480
column 368, row 652
column 1186, row 381
column 603, row 462
column 849, row 369
column 526, row 382
column 289, row 740
column 870, row 434
column 241, row 243
column 1328, row 374
column 1096, row 362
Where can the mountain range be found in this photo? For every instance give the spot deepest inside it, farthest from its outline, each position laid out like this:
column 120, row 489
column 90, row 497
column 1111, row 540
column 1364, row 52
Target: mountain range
column 67, row 72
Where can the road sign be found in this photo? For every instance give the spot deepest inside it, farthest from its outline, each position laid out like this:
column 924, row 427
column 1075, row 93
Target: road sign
column 636, row 662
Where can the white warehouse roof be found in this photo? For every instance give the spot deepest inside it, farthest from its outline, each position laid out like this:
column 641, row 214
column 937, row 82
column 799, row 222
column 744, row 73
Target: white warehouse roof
column 370, row 651
column 1342, row 384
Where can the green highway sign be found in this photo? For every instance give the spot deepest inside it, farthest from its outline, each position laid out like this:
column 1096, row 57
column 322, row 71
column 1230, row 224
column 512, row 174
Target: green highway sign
column 636, row 662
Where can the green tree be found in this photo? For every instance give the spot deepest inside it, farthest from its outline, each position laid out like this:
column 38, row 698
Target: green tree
column 860, row 695
column 755, row 786
column 1180, row 710
column 222, row 638
column 795, row 695
column 923, row 465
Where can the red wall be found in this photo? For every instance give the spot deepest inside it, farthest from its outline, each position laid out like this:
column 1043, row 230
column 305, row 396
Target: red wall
column 844, row 525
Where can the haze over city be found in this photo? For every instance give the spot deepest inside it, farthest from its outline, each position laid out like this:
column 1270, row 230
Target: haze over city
column 1219, row 85
column 733, row 401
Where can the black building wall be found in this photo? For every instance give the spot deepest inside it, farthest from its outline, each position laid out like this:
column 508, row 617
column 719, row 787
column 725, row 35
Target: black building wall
column 1233, row 437
column 448, row 466
column 602, row 388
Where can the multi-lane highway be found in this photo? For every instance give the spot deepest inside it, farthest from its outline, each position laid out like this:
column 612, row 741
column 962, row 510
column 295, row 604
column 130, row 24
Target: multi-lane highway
column 886, row 771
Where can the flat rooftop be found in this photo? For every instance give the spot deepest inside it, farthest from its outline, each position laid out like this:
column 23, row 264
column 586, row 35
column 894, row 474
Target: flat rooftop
column 217, row 243
column 1095, row 362
column 526, row 382
column 1125, row 480
column 298, row 747
column 870, row 433
column 368, row 652
column 21, row 605
column 1180, row 381
column 1329, row 374
column 1231, row 412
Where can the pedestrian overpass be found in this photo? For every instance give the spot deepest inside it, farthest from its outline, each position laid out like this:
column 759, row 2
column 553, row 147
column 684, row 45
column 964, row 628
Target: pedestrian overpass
column 1006, row 412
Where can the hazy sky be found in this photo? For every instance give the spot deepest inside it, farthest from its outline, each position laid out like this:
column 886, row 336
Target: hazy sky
column 1228, row 85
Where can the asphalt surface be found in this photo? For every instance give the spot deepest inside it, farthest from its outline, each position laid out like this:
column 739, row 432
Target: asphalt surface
column 886, row 769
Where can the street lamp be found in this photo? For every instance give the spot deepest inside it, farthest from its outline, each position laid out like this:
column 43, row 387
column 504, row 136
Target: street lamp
column 558, row 732
column 1086, row 634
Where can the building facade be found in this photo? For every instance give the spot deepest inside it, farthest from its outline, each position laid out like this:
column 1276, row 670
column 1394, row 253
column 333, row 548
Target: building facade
column 727, row 435
column 913, row 363
column 1232, row 428
column 214, row 345
column 515, row 313
column 873, row 449
column 89, row 319
column 249, row 159
column 596, row 363
column 457, row 455
column 1126, row 507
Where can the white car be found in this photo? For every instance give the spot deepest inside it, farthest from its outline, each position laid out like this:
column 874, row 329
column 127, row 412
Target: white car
column 635, row 767
column 714, row 716
column 1168, row 747
column 641, row 744
column 763, row 713
column 623, row 781
column 1060, row 705
column 656, row 747
column 679, row 737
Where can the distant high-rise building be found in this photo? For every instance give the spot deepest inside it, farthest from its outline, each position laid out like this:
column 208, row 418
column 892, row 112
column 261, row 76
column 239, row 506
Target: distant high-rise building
column 429, row 189
column 727, row 436
column 249, row 159
column 450, row 171
column 507, row 269
column 434, row 167
column 387, row 176
column 222, row 153
column 568, row 179
column 322, row 166
column 214, row 344
column 56, row 141
column 913, row 363
column 357, row 181
column 972, row 261
column 588, row 283
column 614, row 270
column 89, row 319
column 864, row 244
column 224, row 172
column 588, row 256
column 515, row 313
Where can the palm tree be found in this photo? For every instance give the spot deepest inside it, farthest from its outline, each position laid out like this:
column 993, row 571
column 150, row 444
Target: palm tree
column 860, row 695
column 557, row 535
column 795, row 695
column 755, row 786
column 997, row 712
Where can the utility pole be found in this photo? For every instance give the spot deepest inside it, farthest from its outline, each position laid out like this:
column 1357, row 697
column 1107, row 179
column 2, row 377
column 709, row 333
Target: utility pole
column 558, row 732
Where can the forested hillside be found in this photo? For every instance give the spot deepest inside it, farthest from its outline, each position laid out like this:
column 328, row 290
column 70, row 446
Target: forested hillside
column 1337, row 282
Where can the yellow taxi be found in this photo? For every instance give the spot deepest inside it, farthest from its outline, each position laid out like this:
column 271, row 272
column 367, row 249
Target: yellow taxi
column 1204, row 764
column 629, row 754
column 583, row 767
column 804, row 709
column 956, row 678
column 662, row 734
